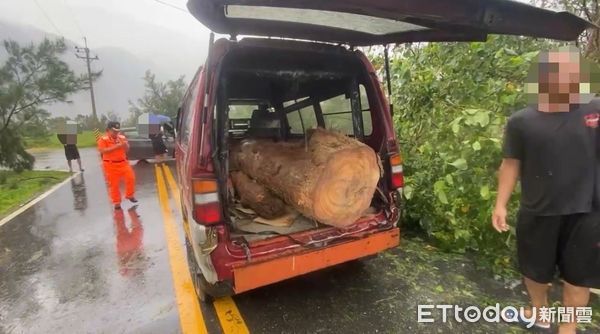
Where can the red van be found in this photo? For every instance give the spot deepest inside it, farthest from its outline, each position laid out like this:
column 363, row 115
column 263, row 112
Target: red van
column 301, row 70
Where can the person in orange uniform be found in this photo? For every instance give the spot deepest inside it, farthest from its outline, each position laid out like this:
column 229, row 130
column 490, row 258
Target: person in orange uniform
column 114, row 146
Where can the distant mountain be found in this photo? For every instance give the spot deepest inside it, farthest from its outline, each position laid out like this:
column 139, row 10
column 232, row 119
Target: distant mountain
column 121, row 81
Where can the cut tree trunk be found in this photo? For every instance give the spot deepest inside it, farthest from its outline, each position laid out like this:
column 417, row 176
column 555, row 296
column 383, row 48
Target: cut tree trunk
column 257, row 197
column 331, row 180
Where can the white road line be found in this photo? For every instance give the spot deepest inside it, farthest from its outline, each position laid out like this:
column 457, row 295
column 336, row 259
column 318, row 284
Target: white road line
column 35, row 200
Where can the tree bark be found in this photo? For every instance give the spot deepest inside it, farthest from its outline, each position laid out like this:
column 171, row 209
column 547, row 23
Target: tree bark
column 331, row 180
column 257, row 197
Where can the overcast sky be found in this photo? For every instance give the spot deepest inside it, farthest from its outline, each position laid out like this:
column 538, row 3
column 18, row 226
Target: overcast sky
column 143, row 27
column 147, row 28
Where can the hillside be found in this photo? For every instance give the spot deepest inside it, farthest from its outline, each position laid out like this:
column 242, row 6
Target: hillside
column 122, row 78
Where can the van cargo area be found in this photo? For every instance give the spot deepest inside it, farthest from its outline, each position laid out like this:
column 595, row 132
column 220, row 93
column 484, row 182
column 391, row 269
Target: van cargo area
column 278, row 91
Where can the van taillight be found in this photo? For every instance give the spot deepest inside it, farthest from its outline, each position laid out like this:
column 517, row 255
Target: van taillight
column 207, row 208
column 397, row 171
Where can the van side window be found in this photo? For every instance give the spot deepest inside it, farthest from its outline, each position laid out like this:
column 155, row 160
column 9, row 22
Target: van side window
column 187, row 110
column 297, row 123
column 337, row 113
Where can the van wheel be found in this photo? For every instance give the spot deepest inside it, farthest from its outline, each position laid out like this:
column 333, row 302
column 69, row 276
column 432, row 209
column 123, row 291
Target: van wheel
column 197, row 278
column 206, row 292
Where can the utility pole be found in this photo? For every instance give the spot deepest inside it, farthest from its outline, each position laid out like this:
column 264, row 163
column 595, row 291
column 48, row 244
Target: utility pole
column 84, row 53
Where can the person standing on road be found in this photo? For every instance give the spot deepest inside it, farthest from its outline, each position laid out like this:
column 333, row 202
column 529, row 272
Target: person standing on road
column 158, row 146
column 552, row 146
column 113, row 146
column 71, row 153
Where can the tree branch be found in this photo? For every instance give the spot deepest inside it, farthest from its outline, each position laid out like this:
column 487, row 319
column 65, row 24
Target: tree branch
column 586, row 10
column 15, row 110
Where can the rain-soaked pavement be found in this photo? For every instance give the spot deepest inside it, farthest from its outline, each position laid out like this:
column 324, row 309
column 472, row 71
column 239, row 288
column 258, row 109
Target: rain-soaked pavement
column 69, row 264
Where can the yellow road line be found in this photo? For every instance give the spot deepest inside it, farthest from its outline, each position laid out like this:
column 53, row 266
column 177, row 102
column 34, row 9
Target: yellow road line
column 190, row 316
column 175, row 192
column 172, row 184
column 229, row 316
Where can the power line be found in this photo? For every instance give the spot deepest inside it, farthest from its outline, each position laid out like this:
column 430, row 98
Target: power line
column 48, row 18
column 74, row 18
column 172, row 6
column 84, row 53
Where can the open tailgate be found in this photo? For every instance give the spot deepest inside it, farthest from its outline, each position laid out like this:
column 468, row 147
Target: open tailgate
column 362, row 22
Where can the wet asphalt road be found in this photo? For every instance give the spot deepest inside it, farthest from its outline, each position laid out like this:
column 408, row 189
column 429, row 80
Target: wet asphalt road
column 68, row 264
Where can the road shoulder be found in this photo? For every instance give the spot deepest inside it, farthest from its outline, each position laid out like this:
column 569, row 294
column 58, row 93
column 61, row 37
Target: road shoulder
column 19, row 191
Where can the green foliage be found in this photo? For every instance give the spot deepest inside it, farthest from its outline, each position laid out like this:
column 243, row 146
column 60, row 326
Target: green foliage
column 32, row 76
column 18, row 188
column 160, row 98
column 451, row 103
column 589, row 40
column 50, row 141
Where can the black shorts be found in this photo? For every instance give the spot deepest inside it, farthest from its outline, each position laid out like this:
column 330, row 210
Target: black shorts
column 71, row 152
column 569, row 243
column 158, row 146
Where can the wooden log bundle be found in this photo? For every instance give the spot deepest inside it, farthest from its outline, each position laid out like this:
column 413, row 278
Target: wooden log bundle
column 332, row 179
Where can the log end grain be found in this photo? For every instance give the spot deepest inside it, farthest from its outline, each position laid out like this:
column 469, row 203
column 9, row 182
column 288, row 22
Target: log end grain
column 345, row 188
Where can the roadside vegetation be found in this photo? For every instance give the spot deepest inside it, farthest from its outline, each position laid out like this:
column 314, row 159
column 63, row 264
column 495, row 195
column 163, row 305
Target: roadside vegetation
column 17, row 189
column 84, row 139
column 162, row 98
column 31, row 77
column 451, row 102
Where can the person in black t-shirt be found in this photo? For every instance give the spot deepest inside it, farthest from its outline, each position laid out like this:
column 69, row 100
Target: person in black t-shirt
column 552, row 146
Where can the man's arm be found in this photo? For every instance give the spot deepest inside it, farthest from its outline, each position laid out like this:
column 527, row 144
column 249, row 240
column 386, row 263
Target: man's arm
column 510, row 169
column 110, row 148
column 507, row 179
column 103, row 149
column 124, row 142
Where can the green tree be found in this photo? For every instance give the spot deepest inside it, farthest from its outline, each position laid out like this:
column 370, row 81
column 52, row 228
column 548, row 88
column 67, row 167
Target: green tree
column 451, row 102
column 31, row 77
column 160, row 98
column 589, row 41
column 55, row 123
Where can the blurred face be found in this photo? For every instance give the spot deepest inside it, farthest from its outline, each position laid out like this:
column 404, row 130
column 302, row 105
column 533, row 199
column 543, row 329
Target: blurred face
column 559, row 78
column 113, row 133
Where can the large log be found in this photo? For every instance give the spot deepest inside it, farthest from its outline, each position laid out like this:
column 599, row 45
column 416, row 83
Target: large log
column 332, row 179
column 257, row 197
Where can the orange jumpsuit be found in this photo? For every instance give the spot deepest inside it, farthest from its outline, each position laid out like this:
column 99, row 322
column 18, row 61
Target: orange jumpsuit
column 116, row 167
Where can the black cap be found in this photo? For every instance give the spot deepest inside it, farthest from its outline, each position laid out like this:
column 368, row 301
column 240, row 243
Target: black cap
column 114, row 125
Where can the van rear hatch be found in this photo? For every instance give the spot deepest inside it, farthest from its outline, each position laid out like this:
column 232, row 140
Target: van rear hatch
column 361, row 22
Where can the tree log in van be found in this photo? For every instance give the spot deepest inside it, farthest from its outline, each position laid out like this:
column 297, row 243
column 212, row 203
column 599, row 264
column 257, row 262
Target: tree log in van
column 331, row 178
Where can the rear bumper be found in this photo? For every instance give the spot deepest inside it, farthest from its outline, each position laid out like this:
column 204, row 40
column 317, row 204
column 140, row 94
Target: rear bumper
column 251, row 275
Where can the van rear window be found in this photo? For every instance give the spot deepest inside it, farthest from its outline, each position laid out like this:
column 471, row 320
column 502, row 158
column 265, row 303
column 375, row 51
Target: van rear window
column 337, row 113
column 340, row 20
column 301, row 120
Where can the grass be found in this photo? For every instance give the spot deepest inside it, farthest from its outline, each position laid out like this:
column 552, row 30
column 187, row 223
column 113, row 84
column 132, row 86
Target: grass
column 84, row 139
column 19, row 188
